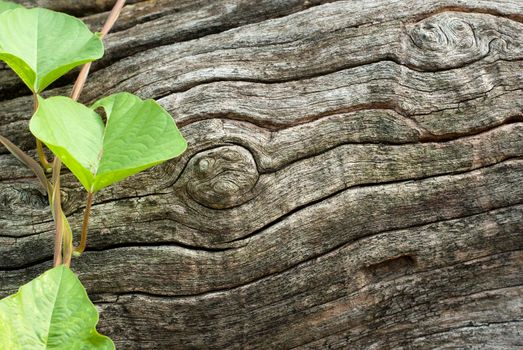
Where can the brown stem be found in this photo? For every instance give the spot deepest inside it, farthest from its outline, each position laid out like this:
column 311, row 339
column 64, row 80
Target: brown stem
column 83, row 240
column 82, row 77
column 75, row 94
column 64, row 235
column 80, row 81
column 57, row 214
column 67, row 241
column 113, row 16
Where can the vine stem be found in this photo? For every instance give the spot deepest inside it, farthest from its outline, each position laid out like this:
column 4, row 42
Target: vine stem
column 82, row 77
column 54, row 194
column 57, row 214
column 75, row 94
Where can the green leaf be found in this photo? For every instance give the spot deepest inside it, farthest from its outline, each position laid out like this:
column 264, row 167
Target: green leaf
column 7, row 5
column 41, row 45
column 52, row 311
column 138, row 135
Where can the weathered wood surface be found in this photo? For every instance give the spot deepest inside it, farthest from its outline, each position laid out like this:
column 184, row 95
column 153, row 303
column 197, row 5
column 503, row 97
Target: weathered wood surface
column 353, row 179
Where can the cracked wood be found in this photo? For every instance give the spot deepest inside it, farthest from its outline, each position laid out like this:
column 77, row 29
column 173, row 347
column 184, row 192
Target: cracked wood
column 353, row 178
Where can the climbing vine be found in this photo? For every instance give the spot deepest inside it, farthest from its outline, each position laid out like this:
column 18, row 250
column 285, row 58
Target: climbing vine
column 116, row 137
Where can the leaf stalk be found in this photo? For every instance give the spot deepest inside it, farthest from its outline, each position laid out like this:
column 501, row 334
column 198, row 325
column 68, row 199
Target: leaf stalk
column 83, row 239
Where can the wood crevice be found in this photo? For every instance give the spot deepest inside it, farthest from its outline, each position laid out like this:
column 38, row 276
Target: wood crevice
column 288, row 214
column 305, row 77
column 352, row 178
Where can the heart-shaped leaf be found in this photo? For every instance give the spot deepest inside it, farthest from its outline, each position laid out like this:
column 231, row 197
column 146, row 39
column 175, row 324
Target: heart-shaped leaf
column 41, row 45
column 52, row 311
column 7, row 5
column 138, row 135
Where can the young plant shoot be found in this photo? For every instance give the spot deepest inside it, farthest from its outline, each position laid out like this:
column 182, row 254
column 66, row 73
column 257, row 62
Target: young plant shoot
column 53, row 311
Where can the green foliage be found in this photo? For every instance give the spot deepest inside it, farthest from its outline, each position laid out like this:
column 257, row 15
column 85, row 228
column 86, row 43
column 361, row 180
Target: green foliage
column 42, row 45
column 6, row 5
column 138, row 135
column 51, row 312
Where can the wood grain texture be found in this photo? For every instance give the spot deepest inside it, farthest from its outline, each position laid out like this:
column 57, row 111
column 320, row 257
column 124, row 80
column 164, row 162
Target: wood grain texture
column 353, row 177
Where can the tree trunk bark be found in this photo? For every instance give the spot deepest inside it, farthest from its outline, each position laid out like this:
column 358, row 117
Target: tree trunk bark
column 353, row 177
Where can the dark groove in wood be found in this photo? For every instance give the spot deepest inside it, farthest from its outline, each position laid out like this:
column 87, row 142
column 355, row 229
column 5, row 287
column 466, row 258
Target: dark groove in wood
column 355, row 188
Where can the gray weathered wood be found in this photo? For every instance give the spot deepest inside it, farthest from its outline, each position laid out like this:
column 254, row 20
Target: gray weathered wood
column 353, row 178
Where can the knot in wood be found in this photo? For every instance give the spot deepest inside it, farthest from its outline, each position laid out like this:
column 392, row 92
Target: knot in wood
column 449, row 40
column 220, row 178
column 449, row 33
